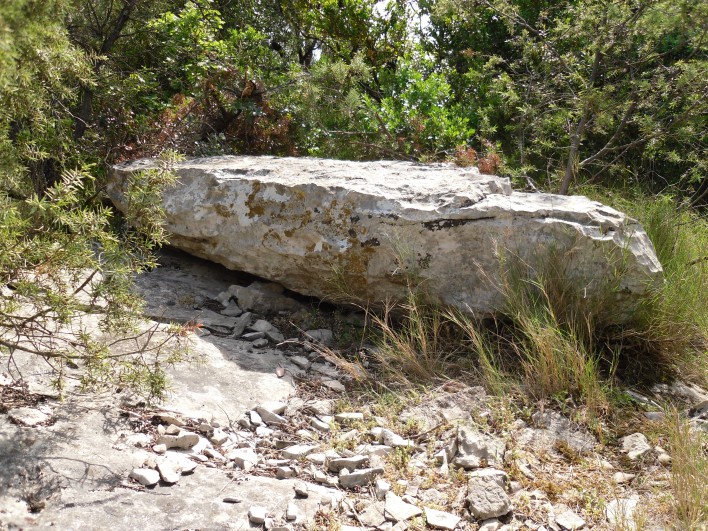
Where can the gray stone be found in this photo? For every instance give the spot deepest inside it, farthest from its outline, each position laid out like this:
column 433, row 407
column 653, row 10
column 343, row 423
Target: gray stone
column 394, row 440
column 145, row 476
column 252, row 336
column 381, row 488
column 635, row 445
column 297, row 451
column 350, row 463
column 334, row 385
column 292, row 512
column 486, row 498
column 620, row 512
column 170, row 418
column 492, row 524
column 623, row 477
column 320, row 425
column 398, row 510
column 159, row 448
column 499, row 476
column 28, row 416
column 242, row 323
column 257, row 514
column 440, row 519
column 265, row 298
column 664, row 459
column 359, row 478
column 372, row 515
column 322, row 335
column 213, row 454
column 184, row 440
column 347, row 418
column 169, row 473
column 269, row 416
column 375, row 449
column 475, row 449
column 260, row 343
column 218, row 437
column 567, row 519
column 244, row 458
column 301, row 361
column 554, row 427
column 255, row 418
column 284, row 472
column 301, row 490
column 232, row 310
column 291, row 219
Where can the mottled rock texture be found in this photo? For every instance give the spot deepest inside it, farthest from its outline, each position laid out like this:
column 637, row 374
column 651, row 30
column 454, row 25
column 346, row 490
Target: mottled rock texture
column 367, row 229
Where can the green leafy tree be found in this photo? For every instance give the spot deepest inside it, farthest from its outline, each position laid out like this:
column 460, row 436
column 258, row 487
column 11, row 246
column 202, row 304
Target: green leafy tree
column 591, row 90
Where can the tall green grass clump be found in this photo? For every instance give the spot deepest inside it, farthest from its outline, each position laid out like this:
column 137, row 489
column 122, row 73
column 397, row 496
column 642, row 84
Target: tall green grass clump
column 670, row 329
column 552, row 339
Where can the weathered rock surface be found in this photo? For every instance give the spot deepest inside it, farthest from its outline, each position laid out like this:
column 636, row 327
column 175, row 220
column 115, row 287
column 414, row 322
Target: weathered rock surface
column 362, row 225
column 486, row 498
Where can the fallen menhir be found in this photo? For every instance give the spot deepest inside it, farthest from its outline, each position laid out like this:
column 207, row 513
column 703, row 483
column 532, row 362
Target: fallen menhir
column 366, row 230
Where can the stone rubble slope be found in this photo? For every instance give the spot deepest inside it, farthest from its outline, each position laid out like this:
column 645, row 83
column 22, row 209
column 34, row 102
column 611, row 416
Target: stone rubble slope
column 360, row 229
column 223, row 453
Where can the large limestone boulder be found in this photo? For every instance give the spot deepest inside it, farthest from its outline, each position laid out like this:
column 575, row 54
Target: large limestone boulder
column 367, row 230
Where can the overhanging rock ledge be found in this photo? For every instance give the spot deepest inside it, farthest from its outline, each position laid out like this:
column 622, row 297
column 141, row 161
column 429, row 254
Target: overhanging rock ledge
column 365, row 230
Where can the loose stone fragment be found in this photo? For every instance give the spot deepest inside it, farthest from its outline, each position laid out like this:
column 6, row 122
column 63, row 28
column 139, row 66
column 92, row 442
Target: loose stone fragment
column 319, row 425
column 298, row 450
column 170, row 418
column 244, row 458
column 269, row 416
column 569, row 520
column 623, row 477
column 372, row 515
column 492, row 524
column 213, row 454
column 359, row 478
column 184, row 440
column 257, row 514
column 396, row 509
column 301, row 489
column 284, row 472
column 260, row 343
column 168, row 472
column 664, row 459
column 318, row 459
column 394, row 440
column 635, row 445
column 620, row 512
column 322, row 335
column 351, row 463
column 381, row 488
column 145, row 476
column 28, row 416
column 291, row 513
column 219, row 437
column 440, row 519
column 486, row 498
column 475, row 449
column 159, row 448
column 501, row 477
column 255, row 418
